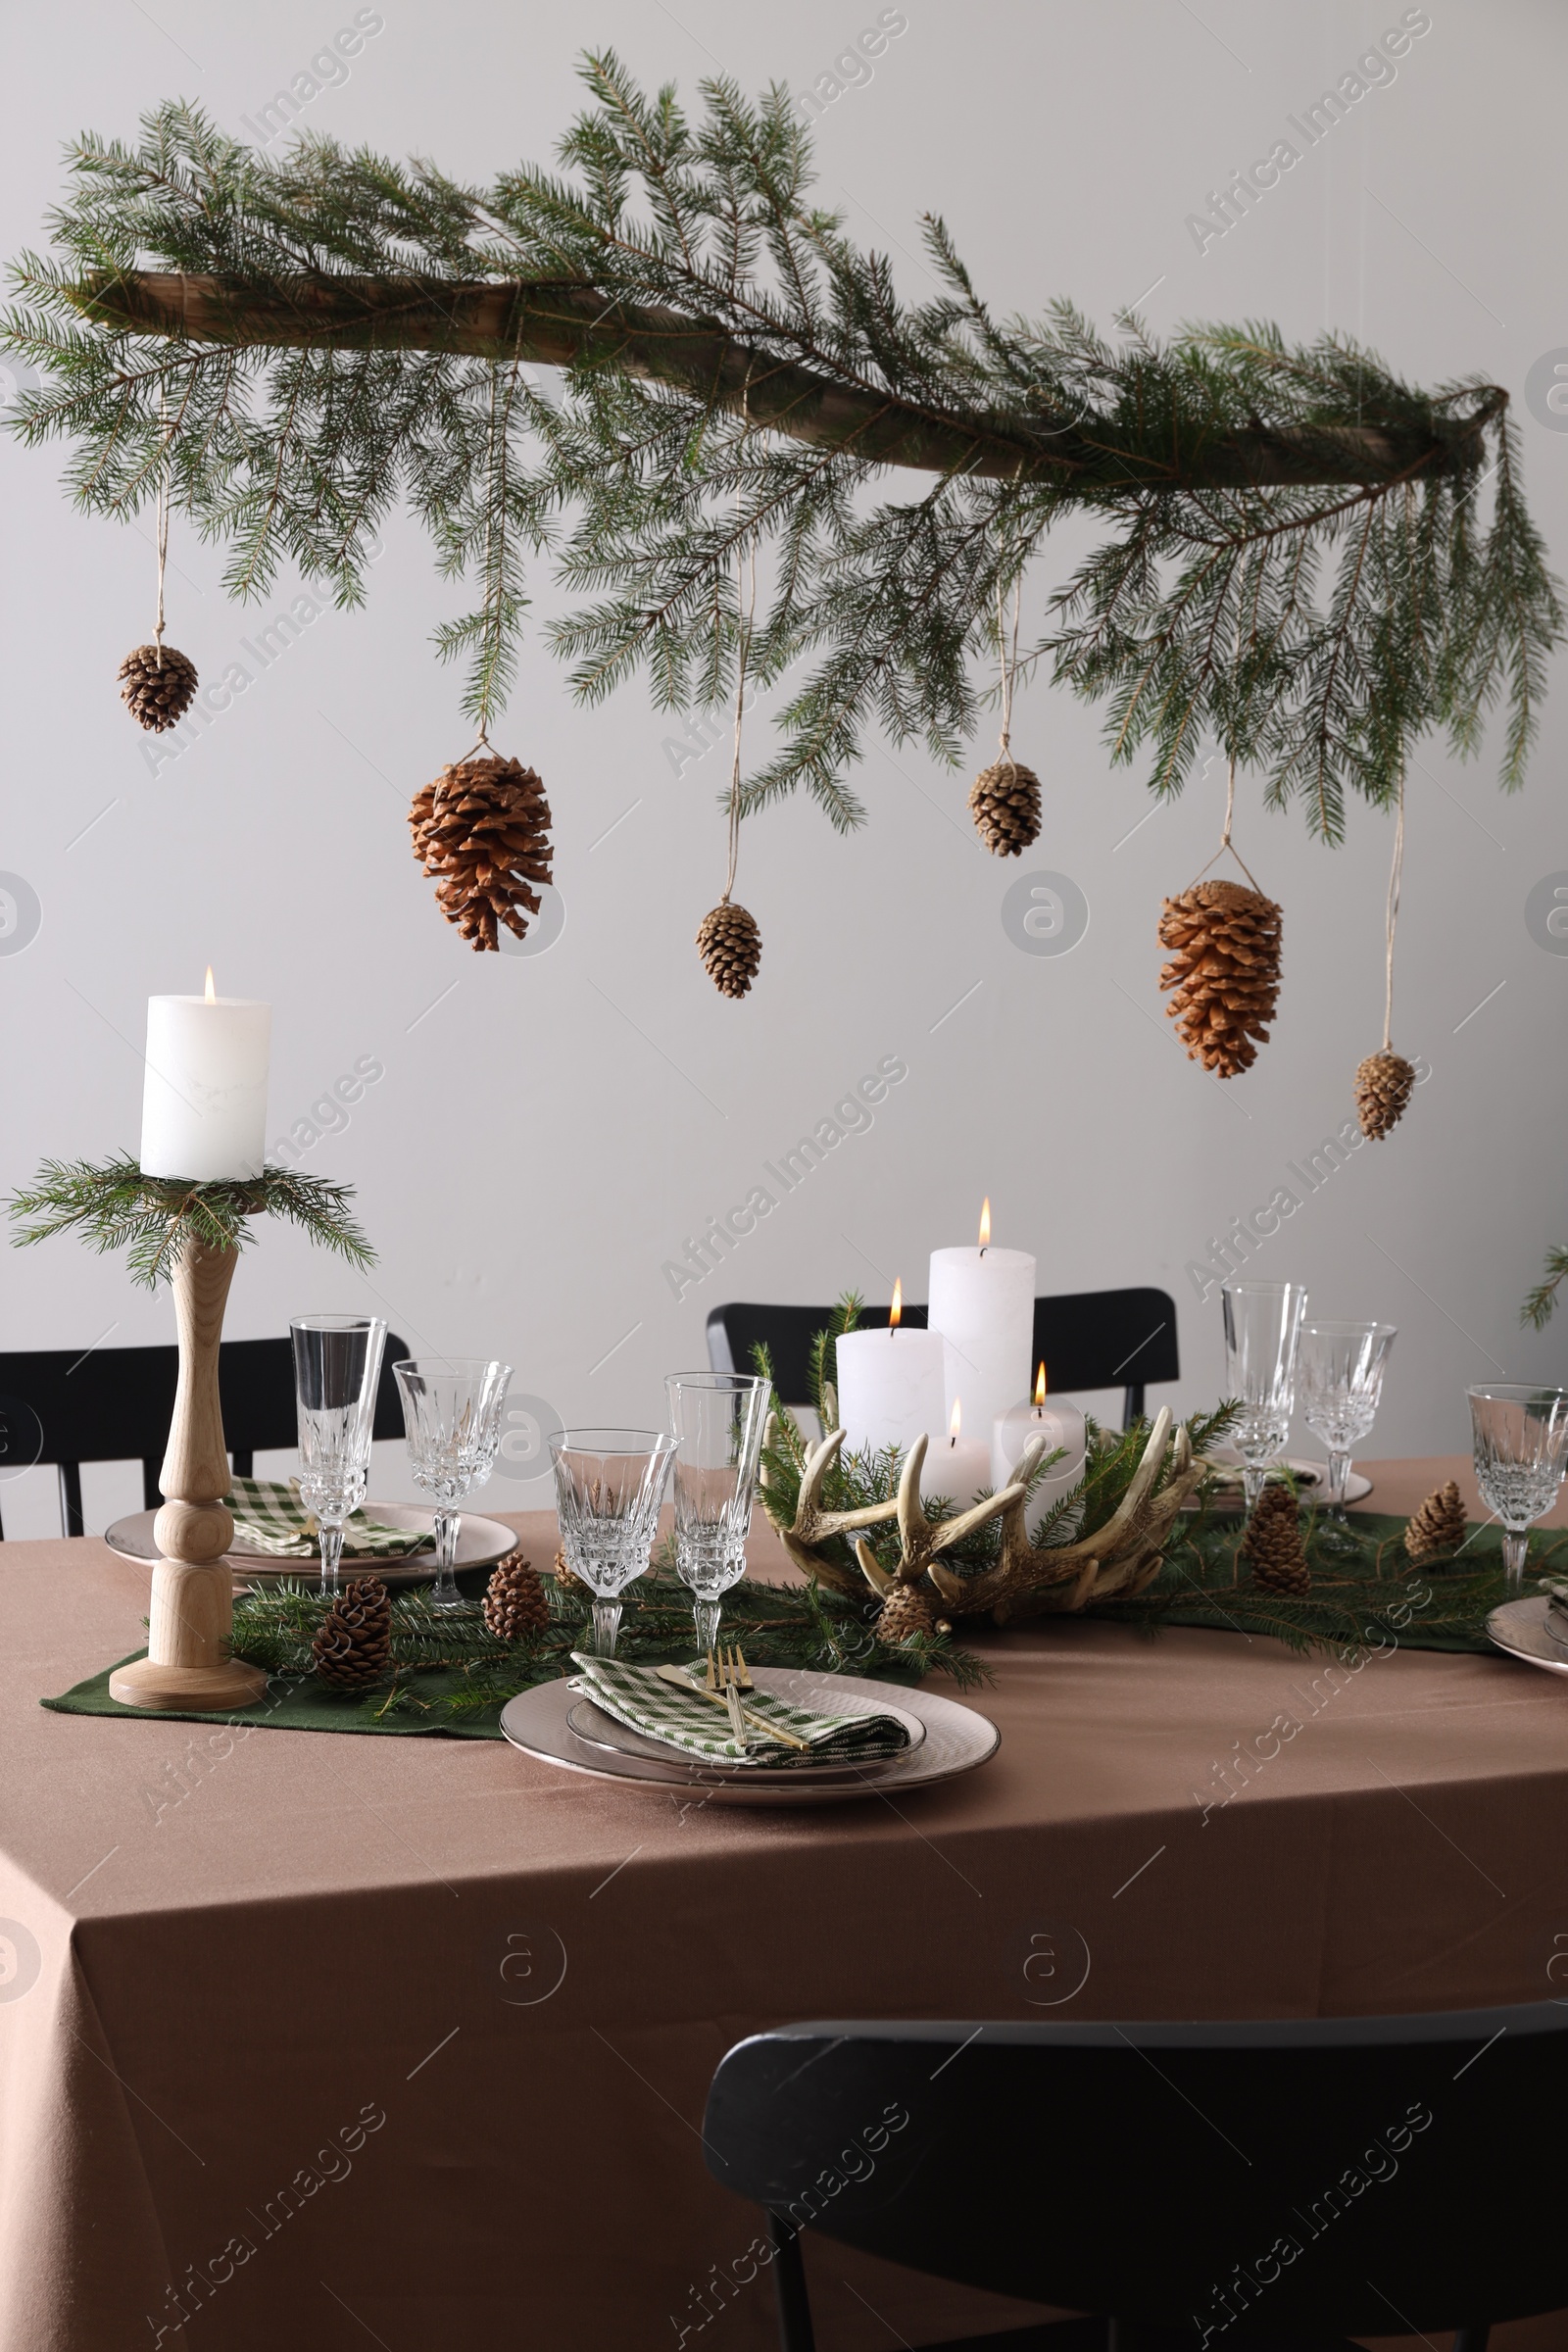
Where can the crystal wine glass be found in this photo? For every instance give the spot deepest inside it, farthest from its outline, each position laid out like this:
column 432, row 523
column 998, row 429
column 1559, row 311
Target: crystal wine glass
column 1262, row 1333
column 337, row 1368
column 718, row 1419
column 609, row 1486
column 1521, row 1449
column 1341, row 1366
column 452, row 1416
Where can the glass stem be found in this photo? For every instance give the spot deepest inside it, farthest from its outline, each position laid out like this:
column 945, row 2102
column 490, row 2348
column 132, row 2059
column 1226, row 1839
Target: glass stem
column 606, row 1626
column 1253, row 1475
column 1515, row 1544
column 445, row 1594
column 330, row 1542
column 1339, row 1479
column 706, row 1615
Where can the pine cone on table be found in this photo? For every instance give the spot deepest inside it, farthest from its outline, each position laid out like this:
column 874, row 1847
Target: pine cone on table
column 1005, row 803
column 353, row 1646
column 1273, row 1543
column 731, row 947
column 1383, row 1083
column 514, row 1602
column 156, row 686
column 484, row 829
column 1224, row 971
column 906, row 1611
column 1437, row 1528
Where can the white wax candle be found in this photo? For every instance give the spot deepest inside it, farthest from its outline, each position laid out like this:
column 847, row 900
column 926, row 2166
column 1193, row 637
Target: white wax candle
column 983, row 1304
column 204, row 1103
column 958, row 1466
column 1060, row 1425
column 891, row 1387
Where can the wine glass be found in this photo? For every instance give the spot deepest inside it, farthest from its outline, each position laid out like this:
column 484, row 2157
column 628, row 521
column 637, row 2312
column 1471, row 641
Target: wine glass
column 609, row 1486
column 718, row 1419
column 1521, row 1447
column 1262, row 1333
column 1342, row 1367
column 337, row 1369
column 451, row 1417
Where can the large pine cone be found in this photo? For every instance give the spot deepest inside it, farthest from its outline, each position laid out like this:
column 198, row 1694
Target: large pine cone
column 1005, row 803
column 515, row 1602
column 1273, row 1543
column 1224, row 969
column 1383, row 1086
column 483, row 827
column 1437, row 1528
column 353, row 1646
column 156, row 686
column 905, row 1611
column 731, row 946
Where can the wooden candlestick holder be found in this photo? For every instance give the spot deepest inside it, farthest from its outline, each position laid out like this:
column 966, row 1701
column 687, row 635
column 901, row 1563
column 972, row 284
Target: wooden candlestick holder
column 188, row 1663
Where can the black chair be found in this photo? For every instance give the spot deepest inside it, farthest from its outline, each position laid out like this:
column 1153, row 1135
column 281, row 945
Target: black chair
column 113, row 1405
column 1086, row 1340
column 1229, row 2186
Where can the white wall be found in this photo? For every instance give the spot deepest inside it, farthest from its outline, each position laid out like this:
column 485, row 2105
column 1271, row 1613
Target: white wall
column 550, row 1129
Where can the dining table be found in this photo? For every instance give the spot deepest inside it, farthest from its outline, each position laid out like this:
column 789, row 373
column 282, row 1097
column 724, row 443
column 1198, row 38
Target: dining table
column 324, row 2041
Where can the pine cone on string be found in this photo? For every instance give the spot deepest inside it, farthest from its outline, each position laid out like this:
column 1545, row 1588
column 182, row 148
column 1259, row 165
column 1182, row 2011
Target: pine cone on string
column 1383, row 1086
column 731, row 947
column 1273, row 1544
column 1437, row 1528
column 353, row 1646
column 906, row 1611
column 1224, row 971
column 484, row 829
column 156, row 685
column 565, row 1576
column 1005, row 803
column 515, row 1600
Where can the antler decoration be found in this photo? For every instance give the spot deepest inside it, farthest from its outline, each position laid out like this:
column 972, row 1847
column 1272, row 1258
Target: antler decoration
column 812, row 1526
column 922, row 1541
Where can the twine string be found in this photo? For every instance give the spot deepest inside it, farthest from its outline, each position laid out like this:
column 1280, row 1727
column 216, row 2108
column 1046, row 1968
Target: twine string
column 1392, row 920
column 1008, row 659
column 1226, row 843
column 162, row 519
column 745, row 587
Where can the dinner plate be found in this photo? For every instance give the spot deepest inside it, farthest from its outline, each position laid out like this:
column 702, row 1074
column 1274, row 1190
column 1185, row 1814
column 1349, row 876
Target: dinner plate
column 598, row 1728
column 1307, row 1474
column 480, row 1542
column 956, row 1740
column 1520, row 1628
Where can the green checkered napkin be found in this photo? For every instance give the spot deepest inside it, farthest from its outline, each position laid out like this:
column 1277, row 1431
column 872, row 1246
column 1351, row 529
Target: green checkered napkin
column 271, row 1516
column 636, row 1698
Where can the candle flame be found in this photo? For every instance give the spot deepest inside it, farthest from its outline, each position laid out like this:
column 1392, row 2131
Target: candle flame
column 957, row 1423
column 895, row 1310
column 1040, row 1386
column 985, row 1223
column 210, row 998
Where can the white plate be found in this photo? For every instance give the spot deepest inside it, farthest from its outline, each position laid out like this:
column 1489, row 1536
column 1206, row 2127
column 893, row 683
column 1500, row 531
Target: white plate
column 1308, row 1475
column 481, row 1543
column 1520, row 1628
column 957, row 1739
column 597, row 1729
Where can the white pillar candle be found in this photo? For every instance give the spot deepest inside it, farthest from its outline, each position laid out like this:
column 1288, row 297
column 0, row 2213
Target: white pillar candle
column 891, row 1386
column 983, row 1304
column 958, row 1466
column 204, row 1103
column 1061, row 1425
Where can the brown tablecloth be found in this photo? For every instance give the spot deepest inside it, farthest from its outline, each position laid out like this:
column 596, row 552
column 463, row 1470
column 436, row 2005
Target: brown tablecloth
column 408, row 2040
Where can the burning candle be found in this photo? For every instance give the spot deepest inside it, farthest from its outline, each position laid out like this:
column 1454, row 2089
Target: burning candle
column 983, row 1304
column 204, row 1103
column 958, row 1466
column 890, row 1383
column 1061, row 1425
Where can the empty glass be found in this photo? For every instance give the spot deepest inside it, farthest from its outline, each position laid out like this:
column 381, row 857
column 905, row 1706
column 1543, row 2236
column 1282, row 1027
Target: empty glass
column 451, row 1417
column 718, row 1419
column 1340, row 1370
column 609, row 1486
column 337, row 1366
column 1521, row 1447
column 1262, row 1333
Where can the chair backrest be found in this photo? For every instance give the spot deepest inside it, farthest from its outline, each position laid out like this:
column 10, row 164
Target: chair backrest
column 113, row 1405
column 1086, row 1340
column 1360, row 2177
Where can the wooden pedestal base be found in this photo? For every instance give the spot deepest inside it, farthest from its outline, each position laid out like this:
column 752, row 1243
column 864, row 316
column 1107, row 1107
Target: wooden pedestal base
column 147, row 1684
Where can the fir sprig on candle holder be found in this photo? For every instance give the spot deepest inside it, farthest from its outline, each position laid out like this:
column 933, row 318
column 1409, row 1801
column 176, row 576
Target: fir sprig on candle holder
column 154, row 1218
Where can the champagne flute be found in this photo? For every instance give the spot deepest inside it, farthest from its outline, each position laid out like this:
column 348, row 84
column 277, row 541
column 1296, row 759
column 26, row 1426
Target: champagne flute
column 1263, row 1334
column 452, row 1416
column 337, row 1369
column 717, row 1419
column 1521, row 1447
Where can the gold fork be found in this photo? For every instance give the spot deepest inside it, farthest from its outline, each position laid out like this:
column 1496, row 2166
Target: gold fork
column 721, row 1680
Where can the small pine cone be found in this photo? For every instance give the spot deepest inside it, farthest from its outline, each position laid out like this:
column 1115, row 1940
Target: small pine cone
column 1005, row 803
column 731, row 946
column 1273, row 1543
column 908, row 1610
column 156, row 686
column 567, row 1581
column 515, row 1600
column 1383, row 1086
column 1437, row 1528
column 482, row 828
column 1224, row 971
column 353, row 1646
